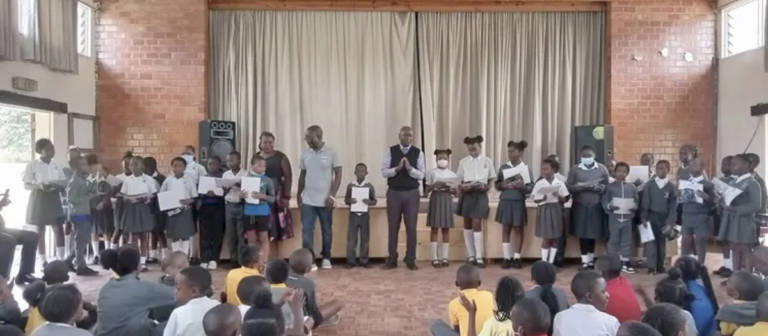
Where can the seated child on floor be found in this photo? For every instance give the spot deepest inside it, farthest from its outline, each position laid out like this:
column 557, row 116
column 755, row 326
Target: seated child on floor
column 586, row 317
column 468, row 281
column 171, row 266
column 301, row 262
column 623, row 302
column 745, row 289
column 761, row 325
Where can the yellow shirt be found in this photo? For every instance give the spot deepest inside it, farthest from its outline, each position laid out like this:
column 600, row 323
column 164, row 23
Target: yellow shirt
column 759, row 329
column 233, row 279
column 33, row 321
column 458, row 316
column 493, row 327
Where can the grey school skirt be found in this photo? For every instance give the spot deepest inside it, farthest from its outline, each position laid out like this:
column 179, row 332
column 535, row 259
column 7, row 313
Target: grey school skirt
column 440, row 213
column 137, row 218
column 473, row 205
column 588, row 221
column 738, row 229
column 44, row 208
column 511, row 213
column 180, row 226
column 549, row 221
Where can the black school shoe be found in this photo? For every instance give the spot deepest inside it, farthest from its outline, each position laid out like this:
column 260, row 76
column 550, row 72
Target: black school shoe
column 350, row 265
column 85, row 271
column 506, row 264
column 412, row 266
column 25, row 279
column 389, row 265
column 726, row 273
column 517, row 263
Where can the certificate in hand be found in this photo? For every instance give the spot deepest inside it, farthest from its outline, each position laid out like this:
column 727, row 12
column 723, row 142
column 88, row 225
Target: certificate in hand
column 251, row 185
column 638, row 173
column 521, row 170
column 171, row 199
column 625, row 205
column 228, row 182
column 207, row 184
column 646, row 233
column 548, row 190
column 690, row 186
column 113, row 181
column 360, row 194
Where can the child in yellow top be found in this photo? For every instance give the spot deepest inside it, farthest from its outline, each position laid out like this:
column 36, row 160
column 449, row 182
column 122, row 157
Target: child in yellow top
column 249, row 258
column 745, row 288
column 481, row 301
column 761, row 326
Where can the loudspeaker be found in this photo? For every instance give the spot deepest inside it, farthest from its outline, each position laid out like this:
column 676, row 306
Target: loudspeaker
column 217, row 138
column 598, row 136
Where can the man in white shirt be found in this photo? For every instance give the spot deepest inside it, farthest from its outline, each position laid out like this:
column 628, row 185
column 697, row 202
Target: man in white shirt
column 586, row 317
column 192, row 283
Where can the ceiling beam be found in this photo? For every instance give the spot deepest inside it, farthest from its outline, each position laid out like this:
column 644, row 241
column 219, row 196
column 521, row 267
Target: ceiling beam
column 411, row 5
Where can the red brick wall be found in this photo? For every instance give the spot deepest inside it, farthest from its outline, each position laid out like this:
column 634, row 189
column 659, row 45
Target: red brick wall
column 150, row 91
column 657, row 104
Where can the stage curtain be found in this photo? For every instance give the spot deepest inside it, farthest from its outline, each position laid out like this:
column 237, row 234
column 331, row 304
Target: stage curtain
column 352, row 73
column 511, row 76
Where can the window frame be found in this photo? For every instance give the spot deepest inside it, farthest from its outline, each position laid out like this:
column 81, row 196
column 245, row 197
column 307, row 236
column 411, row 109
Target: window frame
column 87, row 50
column 723, row 18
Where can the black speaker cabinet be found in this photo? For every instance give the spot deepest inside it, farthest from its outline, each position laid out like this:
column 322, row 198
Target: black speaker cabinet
column 217, row 138
column 598, row 136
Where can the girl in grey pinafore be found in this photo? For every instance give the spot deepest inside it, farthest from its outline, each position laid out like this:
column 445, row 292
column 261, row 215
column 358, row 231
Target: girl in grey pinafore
column 588, row 220
column 738, row 226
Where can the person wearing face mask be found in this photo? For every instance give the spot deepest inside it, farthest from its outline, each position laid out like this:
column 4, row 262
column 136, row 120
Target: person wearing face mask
column 194, row 170
column 403, row 167
column 441, row 187
column 586, row 182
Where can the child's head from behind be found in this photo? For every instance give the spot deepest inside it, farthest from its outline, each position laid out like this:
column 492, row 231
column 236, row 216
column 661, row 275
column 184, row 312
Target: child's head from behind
column 515, row 150
column 56, row 272
column 248, row 286
column 754, row 160
column 126, row 260
column 441, row 157
column 178, row 166
column 174, row 263
column 137, row 165
column 361, row 171
column 620, row 171
column 34, row 293
column 263, row 318
column 249, row 256
column 673, row 290
column 508, row 292
column 468, row 276
column 744, row 286
column 62, row 304
column 233, row 160
column 589, row 288
column 530, row 316
column 474, row 145
column 222, row 320
column 192, row 282
column 688, row 267
column 277, row 271
column 549, row 167
column 762, row 307
column 662, row 168
column 635, row 328
column 301, row 261
column 258, row 164
column 214, row 164
column 543, row 273
column 610, row 266
column 667, row 318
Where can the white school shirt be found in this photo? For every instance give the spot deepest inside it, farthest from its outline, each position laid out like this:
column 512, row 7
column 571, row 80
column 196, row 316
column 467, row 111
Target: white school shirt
column 233, row 196
column 193, row 172
column 479, row 169
column 441, row 174
column 584, row 320
column 563, row 191
column 143, row 184
column 187, row 320
column 38, row 172
column 561, row 177
column 174, row 183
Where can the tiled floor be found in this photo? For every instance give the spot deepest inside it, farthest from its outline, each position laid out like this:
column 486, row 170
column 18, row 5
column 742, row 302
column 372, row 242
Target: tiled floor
column 398, row 302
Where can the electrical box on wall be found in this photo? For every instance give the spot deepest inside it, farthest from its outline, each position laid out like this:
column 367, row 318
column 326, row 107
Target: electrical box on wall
column 24, row 84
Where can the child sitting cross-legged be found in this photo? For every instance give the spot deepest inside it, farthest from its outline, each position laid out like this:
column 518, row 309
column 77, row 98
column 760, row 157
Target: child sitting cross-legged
column 468, row 281
column 623, row 303
column 508, row 292
column 326, row 314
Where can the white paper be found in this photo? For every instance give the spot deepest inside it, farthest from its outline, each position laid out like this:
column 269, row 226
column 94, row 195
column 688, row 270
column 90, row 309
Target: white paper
column 730, row 194
column 249, row 186
column 113, row 180
column 227, row 182
column 625, row 205
column 720, row 186
column 133, row 198
column 646, row 233
column 521, row 170
column 207, row 184
column 691, row 185
column 360, row 194
column 638, row 173
column 548, row 190
column 171, row 199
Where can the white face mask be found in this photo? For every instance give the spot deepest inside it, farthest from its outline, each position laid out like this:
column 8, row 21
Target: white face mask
column 188, row 158
column 587, row 161
column 442, row 163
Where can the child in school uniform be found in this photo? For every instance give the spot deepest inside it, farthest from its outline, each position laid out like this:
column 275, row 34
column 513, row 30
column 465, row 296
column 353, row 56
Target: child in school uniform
column 101, row 207
column 180, row 225
column 45, row 180
column 234, row 208
column 726, row 177
column 475, row 174
column 117, row 200
column 754, row 162
column 659, row 207
column 138, row 220
column 441, row 187
column 511, row 211
column 158, row 241
column 738, row 226
column 696, row 206
column 586, row 182
column 211, row 220
column 359, row 221
column 549, row 219
column 620, row 224
column 80, row 191
column 257, row 226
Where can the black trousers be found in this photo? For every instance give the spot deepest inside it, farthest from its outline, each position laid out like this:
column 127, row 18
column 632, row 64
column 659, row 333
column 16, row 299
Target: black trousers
column 211, row 231
column 9, row 238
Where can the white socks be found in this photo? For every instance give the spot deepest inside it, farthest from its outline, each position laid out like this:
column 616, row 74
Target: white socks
column 584, row 259
column 186, row 247
column 544, row 254
column 446, row 250
column 433, row 249
column 164, row 253
column 469, row 244
column 506, row 249
column 143, row 260
column 517, row 256
column 60, row 253
column 479, row 248
column 552, row 254
column 42, row 257
column 153, row 254
column 95, row 247
column 728, row 263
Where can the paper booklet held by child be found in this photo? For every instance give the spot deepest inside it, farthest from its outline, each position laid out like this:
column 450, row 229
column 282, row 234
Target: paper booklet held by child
column 521, row 170
column 249, row 186
column 727, row 192
column 624, row 205
column 207, row 184
column 646, row 233
column 359, row 194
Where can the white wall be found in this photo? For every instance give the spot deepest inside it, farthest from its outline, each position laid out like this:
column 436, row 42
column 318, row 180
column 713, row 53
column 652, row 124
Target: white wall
column 742, row 82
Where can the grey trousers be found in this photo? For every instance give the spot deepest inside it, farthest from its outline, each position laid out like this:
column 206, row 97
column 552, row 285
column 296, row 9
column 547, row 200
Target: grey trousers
column 440, row 328
column 234, row 221
column 620, row 240
column 81, row 235
column 359, row 225
column 656, row 250
column 402, row 205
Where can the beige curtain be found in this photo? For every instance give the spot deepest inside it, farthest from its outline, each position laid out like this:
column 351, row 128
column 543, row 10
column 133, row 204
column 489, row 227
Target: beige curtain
column 8, row 30
column 352, row 73
column 48, row 33
column 511, row 76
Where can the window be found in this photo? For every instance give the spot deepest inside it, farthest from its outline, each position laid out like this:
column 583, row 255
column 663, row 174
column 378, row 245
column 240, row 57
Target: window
column 743, row 26
column 84, row 25
column 27, row 17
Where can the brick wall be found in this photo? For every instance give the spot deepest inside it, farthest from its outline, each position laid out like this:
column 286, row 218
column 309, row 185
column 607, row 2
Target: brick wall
column 151, row 76
column 659, row 103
